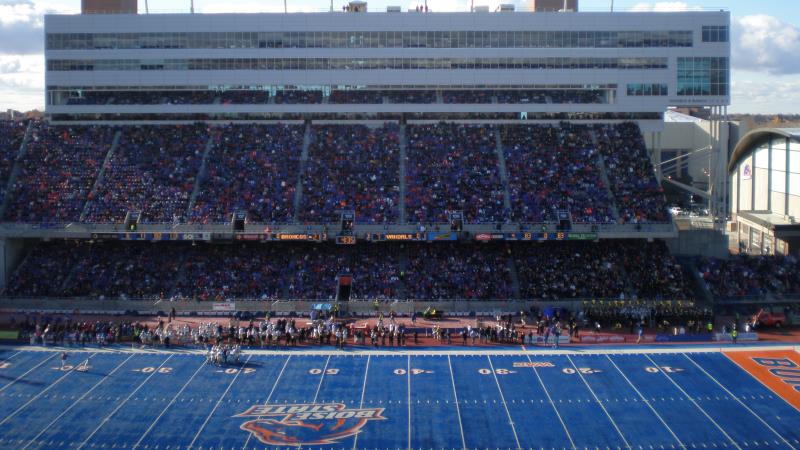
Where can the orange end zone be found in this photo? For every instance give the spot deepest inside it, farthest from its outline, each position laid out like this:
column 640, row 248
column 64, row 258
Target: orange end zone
column 779, row 370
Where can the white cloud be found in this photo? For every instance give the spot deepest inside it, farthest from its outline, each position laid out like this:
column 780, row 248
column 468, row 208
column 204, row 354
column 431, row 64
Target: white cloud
column 664, row 7
column 768, row 95
column 766, row 44
column 22, row 81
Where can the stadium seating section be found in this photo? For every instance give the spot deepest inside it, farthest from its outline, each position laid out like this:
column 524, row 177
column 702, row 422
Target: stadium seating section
column 608, row 269
column 750, row 276
column 201, row 174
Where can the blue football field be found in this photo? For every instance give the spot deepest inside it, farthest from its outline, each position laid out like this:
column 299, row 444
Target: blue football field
column 127, row 399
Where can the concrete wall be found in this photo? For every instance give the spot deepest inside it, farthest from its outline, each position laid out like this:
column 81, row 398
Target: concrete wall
column 11, row 253
column 709, row 243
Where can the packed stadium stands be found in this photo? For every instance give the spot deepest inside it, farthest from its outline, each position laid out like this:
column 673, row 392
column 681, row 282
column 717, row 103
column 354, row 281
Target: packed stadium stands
column 253, row 168
column 11, row 137
column 750, row 275
column 639, row 196
column 153, row 171
column 554, row 168
column 352, row 167
column 57, row 172
column 453, row 167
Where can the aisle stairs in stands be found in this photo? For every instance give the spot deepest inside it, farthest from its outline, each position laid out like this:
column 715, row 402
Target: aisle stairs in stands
column 604, row 176
column 99, row 179
column 501, row 160
column 512, row 268
column 201, row 174
column 176, row 281
column 402, row 202
column 298, row 192
column 12, row 178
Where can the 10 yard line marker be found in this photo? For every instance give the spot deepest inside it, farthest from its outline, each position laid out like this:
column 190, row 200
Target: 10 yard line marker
column 647, row 402
column 689, row 397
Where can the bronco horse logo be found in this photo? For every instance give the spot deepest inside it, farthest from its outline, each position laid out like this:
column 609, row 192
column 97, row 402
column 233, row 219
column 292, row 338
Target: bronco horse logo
column 306, row 424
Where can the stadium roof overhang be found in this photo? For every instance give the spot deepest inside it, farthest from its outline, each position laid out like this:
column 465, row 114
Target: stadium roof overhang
column 756, row 137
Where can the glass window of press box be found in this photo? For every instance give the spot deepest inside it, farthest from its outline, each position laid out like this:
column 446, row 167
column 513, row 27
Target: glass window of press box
column 703, row 76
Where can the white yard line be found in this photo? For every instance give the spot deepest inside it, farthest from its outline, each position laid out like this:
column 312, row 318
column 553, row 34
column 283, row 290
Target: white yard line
column 458, row 409
column 322, row 378
column 361, row 404
column 408, row 376
column 216, row 405
column 503, row 398
column 26, row 373
column 274, row 385
column 69, row 408
column 108, row 417
column 627, row 444
column 740, row 402
column 550, row 399
column 647, row 402
column 689, row 397
column 39, row 394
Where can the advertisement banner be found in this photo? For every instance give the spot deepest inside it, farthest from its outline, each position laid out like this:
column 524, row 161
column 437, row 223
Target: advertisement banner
column 223, row 306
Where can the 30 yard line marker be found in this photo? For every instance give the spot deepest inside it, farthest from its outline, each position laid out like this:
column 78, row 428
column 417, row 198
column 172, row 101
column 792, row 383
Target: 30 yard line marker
column 503, row 398
column 550, row 399
column 458, row 409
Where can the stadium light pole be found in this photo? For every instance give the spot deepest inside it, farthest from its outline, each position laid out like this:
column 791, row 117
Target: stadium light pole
column 612, row 5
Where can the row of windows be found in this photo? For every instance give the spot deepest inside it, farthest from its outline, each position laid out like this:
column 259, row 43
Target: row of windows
column 703, row 76
column 372, row 39
column 639, row 89
column 355, row 63
column 715, row 33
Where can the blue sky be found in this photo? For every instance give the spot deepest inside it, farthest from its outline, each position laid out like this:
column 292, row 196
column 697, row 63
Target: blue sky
column 765, row 41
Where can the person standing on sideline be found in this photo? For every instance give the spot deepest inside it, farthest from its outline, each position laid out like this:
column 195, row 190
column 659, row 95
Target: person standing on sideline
column 734, row 335
column 63, row 359
column 639, row 332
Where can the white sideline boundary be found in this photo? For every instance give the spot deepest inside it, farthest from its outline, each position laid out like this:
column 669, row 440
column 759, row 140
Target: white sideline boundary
column 399, row 351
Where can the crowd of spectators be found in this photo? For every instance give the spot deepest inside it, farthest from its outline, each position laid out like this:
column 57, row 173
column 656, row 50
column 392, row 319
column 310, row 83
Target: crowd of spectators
column 297, row 97
column 453, row 167
column 411, row 96
column 554, row 168
column 57, row 172
column 606, row 269
column 11, row 135
column 127, row 270
column 471, row 97
column 313, row 269
column 619, row 270
column 352, row 167
column 152, row 171
column 214, row 272
column 244, row 97
column 366, row 97
column 744, row 275
column 630, row 315
column 251, row 168
column 476, row 271
column 638, row 195
column 576, row 96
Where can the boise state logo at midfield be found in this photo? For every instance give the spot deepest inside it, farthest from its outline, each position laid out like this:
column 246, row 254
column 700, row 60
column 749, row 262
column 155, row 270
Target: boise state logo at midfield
column 307, row 424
